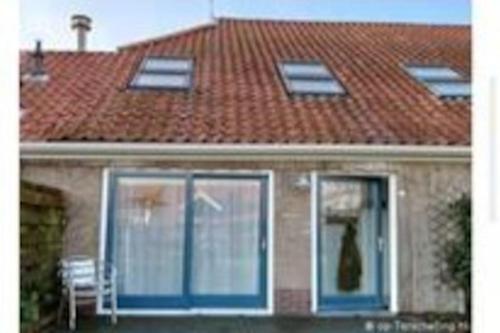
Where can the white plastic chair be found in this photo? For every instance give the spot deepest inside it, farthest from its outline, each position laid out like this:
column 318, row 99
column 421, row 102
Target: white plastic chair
column 84, row 280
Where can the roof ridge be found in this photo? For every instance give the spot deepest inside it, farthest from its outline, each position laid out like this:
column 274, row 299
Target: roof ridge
column 65, row 51
column 212, row 24
column 346, row 22
column 174, row 34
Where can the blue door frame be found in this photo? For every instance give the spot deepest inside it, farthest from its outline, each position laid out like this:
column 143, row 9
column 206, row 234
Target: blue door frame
column 187, row 299
column 376, row 301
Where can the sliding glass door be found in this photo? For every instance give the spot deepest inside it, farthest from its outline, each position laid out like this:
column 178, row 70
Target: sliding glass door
column 228, row 252
column 352, row 241
column 188, row 241
column 147, row 240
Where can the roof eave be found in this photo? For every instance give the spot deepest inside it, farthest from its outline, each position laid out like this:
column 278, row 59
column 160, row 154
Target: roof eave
column 227, row 152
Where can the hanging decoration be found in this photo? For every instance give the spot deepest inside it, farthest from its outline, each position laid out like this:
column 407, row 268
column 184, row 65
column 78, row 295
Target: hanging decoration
column 149, row 197
column 350, row 267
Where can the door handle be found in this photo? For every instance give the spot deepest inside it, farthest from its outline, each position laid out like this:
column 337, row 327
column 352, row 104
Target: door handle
column 381, row 244
column 263, row 244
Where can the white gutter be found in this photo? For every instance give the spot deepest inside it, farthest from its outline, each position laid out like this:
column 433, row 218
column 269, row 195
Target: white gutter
column 165, row 151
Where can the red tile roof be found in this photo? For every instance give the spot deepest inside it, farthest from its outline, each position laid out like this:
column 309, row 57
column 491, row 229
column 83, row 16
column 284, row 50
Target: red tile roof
column 238, row 95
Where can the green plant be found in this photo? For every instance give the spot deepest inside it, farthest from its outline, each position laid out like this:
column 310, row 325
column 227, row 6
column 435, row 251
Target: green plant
column 30, row 309
column 42, row 226
column 458, row 249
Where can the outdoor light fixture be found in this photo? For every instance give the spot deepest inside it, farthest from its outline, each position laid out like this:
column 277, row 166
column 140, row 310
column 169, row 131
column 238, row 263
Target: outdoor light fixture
column 302, row 182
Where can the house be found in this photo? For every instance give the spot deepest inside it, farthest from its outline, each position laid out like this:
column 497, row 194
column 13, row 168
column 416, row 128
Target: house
column 258, row 167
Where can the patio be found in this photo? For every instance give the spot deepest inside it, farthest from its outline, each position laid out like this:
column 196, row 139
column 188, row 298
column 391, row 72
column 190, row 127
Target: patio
column 222, row 325
column 417, row 324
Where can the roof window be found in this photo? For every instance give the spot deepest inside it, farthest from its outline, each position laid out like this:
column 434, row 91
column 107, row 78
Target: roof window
column 441, row 80
column 164, row 73
column 311, row 77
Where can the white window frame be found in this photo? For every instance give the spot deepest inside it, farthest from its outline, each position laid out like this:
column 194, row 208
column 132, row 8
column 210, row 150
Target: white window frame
column 268, row 311
column 142, row 70
column 328, row 76
column 393, row 244
column 430, row 82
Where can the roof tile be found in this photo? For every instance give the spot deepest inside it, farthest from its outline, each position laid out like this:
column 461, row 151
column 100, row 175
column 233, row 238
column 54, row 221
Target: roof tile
column 238, row 96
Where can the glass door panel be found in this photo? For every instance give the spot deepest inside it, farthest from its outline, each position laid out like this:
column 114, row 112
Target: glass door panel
column 188, row 241
column 350, row 243
column 226, row 251
column 149, row 235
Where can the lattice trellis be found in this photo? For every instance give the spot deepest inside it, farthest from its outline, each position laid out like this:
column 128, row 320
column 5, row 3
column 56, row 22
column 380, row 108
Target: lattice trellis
column 442, row 229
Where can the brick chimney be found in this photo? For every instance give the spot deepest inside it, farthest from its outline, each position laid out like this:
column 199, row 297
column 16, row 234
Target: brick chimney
column 82, row 25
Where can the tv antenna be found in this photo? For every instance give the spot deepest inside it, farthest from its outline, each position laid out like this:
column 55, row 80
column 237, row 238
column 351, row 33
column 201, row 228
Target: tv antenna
column 212, row 10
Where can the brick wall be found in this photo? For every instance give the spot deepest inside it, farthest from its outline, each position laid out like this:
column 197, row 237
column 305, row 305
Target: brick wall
column 292, row 301
column 421, row 186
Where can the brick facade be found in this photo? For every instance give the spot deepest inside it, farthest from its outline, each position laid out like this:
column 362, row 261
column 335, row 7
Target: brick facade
column 292, row 301
column 421, row 188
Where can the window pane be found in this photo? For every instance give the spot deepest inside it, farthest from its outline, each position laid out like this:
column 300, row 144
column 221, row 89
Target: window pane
column 149, row 236
column 226, row 237
column 162, row 80
column 307, row 70
column 433, row 73
column 451, row 89
column 348, row 238
column 316, row 86
column 165, row 64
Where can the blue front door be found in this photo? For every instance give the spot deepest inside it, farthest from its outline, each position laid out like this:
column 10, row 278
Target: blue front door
column 183, row 241
column 351, row 244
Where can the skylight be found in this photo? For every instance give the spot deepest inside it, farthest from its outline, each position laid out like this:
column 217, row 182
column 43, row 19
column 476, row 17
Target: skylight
column 309, row 78
column 164, row 73
column 442, row 81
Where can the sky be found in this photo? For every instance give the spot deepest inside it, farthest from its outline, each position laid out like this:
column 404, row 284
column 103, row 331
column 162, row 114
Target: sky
column 119, row 22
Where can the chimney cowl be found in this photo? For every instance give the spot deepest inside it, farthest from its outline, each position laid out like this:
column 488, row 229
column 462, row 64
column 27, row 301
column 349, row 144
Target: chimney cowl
column 38, row 59
column 82, row 24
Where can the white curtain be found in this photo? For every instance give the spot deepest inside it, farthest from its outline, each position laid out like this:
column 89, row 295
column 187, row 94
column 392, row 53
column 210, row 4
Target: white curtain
column 149, row 236
column 225, row 237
